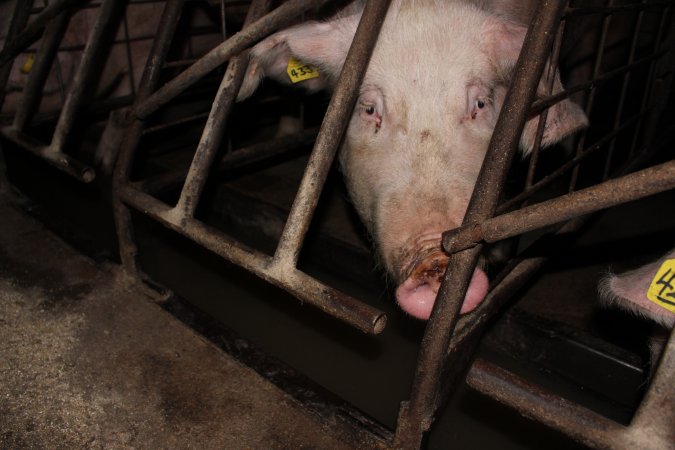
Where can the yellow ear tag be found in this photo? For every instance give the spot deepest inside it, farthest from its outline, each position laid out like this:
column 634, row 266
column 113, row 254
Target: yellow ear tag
column 28, row 63
column 299, row 71
column 662, row 289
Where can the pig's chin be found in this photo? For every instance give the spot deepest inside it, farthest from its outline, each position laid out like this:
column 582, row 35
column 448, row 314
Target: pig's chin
column 417, row 294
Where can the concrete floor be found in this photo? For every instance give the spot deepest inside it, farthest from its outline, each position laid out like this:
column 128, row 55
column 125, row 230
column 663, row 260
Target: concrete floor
column 87, row 361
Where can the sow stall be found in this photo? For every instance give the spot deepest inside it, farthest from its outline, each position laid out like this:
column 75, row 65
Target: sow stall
column 625, row 93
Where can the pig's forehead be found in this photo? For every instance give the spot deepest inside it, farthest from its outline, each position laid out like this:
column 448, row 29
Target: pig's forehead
column 428, row 43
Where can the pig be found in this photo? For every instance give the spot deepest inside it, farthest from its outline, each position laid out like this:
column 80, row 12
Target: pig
column 420, row 129
column 629, row 290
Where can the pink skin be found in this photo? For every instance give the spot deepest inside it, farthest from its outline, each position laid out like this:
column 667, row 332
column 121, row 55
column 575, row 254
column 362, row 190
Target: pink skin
column 417, row 294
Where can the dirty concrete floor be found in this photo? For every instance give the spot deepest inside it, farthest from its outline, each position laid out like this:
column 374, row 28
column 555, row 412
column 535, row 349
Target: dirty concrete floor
column 87, row 361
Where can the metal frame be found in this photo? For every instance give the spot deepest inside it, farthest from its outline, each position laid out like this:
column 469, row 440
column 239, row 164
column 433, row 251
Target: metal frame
column 449, row 341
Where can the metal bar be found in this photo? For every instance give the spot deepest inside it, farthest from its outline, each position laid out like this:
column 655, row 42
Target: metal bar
column 604, row 195
column 149, row 81
column 417, row 416
column 175, row 123
column 44, row 58
column 332, row 129
column 551, row 75
column 236, row 44
column 651, row 427
column 213, row 132
column 108, row 17
column 539, row 105
column 577, row 422
column 32, row 31
column 656, row 415
column 56, row 158
column 234, row 159
column 622, row 96
column 308, row 290
column 19, row 18
column 599, row 52
column 567, row 166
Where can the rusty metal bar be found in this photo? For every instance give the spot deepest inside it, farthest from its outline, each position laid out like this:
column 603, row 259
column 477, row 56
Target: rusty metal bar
column 101, row 34
column 149, row 81
column 44, row 58
column 577, row 422
column 604, row 195
column 234, row 159
column 32, row 31
column 416, row 416
column 236, row 44
column 332, row 302
column 19, row 19
column 333, row 126
column 58, row 159
column 213, row 132
column 651, row 427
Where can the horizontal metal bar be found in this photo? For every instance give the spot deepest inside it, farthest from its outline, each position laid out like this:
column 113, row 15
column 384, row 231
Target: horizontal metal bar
column 556, row 412
column 307, row 289
column 610, row 193
column 58, row 159
column 234, row 45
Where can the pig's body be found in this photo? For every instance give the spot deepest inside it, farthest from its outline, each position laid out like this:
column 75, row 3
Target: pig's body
column 629, row 290
column 421, row 127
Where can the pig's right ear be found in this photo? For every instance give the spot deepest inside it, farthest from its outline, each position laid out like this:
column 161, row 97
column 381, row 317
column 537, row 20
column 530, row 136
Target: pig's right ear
column 319, row 45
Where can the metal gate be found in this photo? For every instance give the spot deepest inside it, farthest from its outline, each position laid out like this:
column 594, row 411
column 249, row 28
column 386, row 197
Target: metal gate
column 643, row 77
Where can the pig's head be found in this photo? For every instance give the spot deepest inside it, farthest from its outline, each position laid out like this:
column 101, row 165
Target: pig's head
column 421, row 127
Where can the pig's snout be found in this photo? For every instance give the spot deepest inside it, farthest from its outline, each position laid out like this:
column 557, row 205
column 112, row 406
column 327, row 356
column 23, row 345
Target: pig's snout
column 417, row 294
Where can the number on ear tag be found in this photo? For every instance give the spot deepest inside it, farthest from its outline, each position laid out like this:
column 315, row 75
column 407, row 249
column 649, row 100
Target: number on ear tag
column 299, row 71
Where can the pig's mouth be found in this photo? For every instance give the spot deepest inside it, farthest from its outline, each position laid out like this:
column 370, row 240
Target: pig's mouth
column 417, row 294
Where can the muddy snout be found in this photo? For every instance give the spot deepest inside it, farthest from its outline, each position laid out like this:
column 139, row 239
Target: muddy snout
column 417, row 293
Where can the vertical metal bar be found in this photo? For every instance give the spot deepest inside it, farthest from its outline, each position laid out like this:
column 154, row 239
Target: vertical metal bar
column 127, row 47
column 553, row 67
column 32, row 31
column 591, row 95
column 417, row 415
column 236, row 44
column 332, row 128
column 19, row 20
column 44, row 60
column 622, row 96
column 149, row 81
column 653, row 118
column 99, row 36
column 212, row 136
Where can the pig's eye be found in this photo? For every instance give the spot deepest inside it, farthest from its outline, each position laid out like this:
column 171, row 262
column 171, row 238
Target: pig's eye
column 370, row 109
column 480, row 104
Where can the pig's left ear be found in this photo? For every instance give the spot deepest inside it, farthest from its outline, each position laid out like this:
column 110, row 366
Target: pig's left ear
column 308, row 47
column 504, row 42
